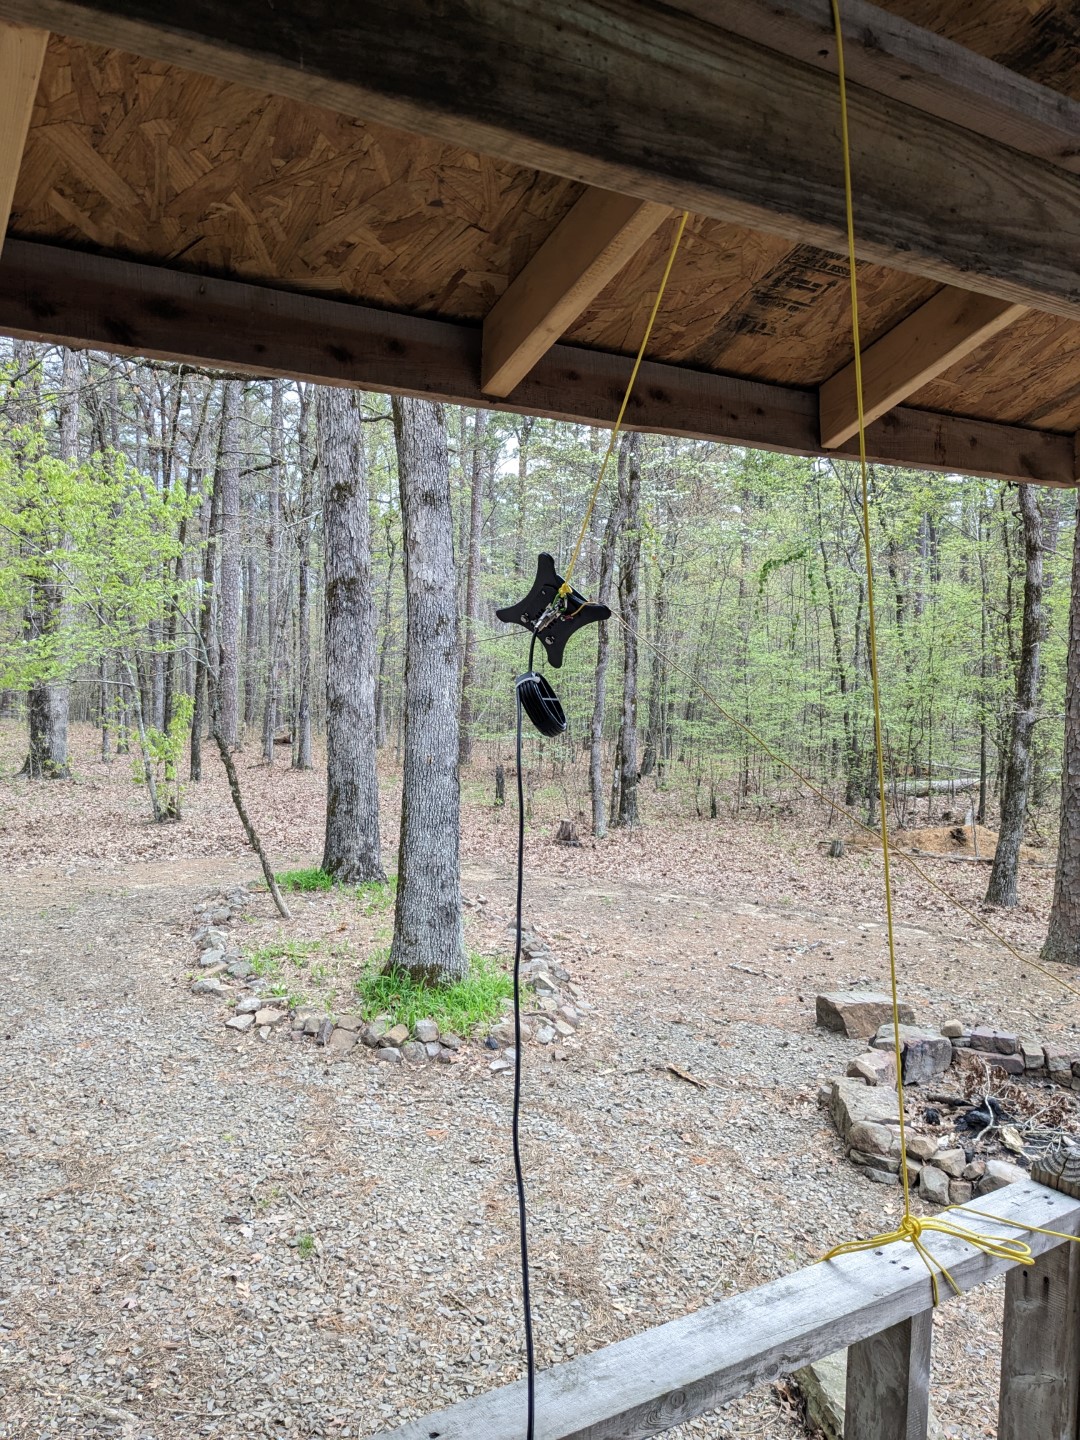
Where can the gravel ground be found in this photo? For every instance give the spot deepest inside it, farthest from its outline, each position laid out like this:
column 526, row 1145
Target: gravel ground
column 201, row 1237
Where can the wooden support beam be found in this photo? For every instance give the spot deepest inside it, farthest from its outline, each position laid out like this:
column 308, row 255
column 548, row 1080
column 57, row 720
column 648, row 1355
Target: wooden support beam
column 663, row 1377
column 652, row 102
column 949, row 326
column 888, row 54
column 888, row 1382
column 1040, row 1349
column 54, row 294
column 586, row 249
column 22, row 52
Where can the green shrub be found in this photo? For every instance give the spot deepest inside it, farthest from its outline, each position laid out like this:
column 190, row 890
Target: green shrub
column 305, row 880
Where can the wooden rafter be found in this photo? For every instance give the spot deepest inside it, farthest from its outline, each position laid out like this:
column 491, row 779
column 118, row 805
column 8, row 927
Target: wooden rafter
column 649, row 101
column 49, row 293
column 949, row 326
column 586, row 249
column 887, row 53
column 22, row 52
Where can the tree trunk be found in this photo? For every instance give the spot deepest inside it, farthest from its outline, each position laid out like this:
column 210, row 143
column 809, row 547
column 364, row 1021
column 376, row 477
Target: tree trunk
column 48, row 700
column 302, row 724
column 251, row 640
column 351, row 849
column 612, row 530
column 273, row 550
column 472, row 584
column 1003, row 877
column 209, row 526
column 624, row 807
column 229, row 590
column 428, row 937
column 1063, row 934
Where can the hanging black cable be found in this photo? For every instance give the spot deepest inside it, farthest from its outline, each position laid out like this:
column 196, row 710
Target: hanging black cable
column 540, row 702
column 530, row 1358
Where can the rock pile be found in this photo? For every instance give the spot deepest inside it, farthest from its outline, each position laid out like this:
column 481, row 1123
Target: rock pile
column 863, row 1107
column 553, row 1006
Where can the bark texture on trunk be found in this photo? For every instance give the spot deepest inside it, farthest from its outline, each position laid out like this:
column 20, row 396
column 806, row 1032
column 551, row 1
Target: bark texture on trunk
column 1063, row 933
column 273, row 548
column 472, row 583
column 428, row 938
column 229, row 591
column 1002, row 888
column 624, row 809
column 351, row 849
column 612, row 530
column 302, row 723
column 47, row 700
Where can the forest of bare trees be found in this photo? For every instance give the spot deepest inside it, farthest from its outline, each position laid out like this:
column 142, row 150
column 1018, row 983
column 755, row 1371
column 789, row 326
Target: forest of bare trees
column 310, row 575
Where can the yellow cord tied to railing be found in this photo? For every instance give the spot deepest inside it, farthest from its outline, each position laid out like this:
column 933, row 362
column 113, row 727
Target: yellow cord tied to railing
column 613, row 438
column 911, row 1228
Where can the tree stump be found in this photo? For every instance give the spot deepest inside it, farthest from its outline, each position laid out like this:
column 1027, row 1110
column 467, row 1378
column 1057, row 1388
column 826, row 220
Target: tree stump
column 567, row 833
column 836, row 849
column 500, row 785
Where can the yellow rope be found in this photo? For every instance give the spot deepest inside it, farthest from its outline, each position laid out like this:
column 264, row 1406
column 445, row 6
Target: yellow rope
column 565, row 590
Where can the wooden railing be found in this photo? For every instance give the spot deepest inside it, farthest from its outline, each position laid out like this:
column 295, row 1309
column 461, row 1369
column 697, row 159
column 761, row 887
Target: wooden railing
column 875, row 1303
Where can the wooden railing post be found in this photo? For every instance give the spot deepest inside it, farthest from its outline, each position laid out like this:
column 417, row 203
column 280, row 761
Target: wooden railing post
column 888, row 1382
column 1040, row 1349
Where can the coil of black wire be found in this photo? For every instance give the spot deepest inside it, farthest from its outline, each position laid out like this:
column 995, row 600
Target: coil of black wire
column 541, row 704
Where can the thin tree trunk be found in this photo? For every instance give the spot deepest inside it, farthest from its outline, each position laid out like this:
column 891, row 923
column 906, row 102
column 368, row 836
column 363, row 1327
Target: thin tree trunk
column 428, row 936
column 472, row 584
column 302, row 726
column 211, row 524
column 251, row 640
column 351, row 850
column 229, row 587
column 612, row 530
column 624, row 807
column 1002, row 889
column 1063, row 933
column 273, row 550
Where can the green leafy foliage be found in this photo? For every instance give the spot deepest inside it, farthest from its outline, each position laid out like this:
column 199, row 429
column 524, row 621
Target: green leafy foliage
column 474, row 1001
column 164, row 751
column 305, row 881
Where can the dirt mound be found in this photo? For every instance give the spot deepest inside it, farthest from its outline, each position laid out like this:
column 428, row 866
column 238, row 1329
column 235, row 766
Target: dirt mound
column 946, row 840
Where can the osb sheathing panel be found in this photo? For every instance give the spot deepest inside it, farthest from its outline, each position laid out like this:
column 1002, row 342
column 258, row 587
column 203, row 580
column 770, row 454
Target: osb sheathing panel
column 136, row 158
column 748, row 304
column 1037, row 38
column 1028, row 375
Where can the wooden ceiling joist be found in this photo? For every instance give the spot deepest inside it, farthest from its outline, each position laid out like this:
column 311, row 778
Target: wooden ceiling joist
column 22, row 52
column 928, row 342
column 57, row 295
column 584, row 252
column 889, row 54
column 652, row 102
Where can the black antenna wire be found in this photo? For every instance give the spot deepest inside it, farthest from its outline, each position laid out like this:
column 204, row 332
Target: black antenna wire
column 530, row 1357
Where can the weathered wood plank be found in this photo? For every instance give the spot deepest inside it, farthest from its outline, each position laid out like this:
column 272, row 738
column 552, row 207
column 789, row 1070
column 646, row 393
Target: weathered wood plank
column 888, row 1382
column 663, row 1377
column 22, row 52
column 918, row 67
column 586, row 249
column 55, row 294
column 646, row 100
column 922, row 346
column 1040, row 1349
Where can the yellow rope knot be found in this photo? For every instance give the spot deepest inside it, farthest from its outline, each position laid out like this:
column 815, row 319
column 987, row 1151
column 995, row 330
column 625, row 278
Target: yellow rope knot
column 911, row 1229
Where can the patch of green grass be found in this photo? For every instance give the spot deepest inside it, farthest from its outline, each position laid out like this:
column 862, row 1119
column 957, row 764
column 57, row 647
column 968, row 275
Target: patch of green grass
column 376, row 895
column 313, row 878
column 461, row 1007
column 266, row 960
column 305, row 1245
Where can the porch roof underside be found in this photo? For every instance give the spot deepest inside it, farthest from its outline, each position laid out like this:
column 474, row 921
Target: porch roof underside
column 206, row 196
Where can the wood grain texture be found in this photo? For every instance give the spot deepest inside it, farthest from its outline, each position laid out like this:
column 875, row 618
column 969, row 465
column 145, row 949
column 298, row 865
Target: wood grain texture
column 22, row 52
column 888, row 1382
column 1040, row 1349
column 49, row 293
column 947, row 327
column 643, row 100
column 663, row 1377
column 915, row 65
column 583, row 253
